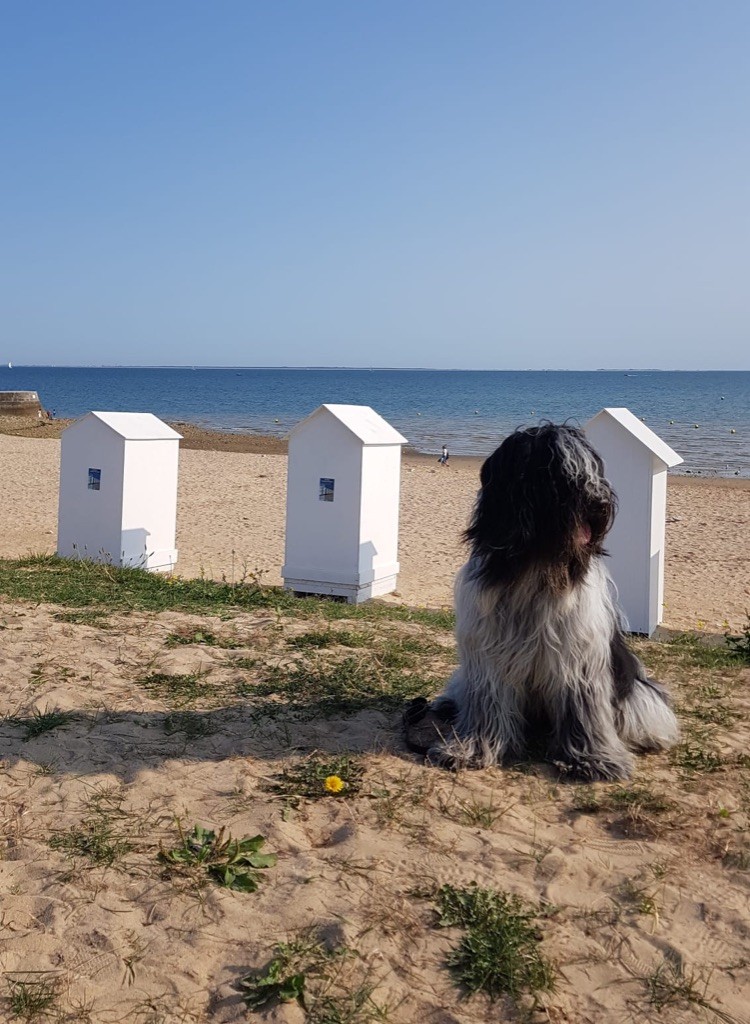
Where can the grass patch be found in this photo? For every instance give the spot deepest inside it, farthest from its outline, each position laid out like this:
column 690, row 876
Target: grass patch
column 318, row 638
column 32, row 999
column 85, row 617
column 693, row 760
column 739, row 645
column 81, row 584
column 95, row 839
column 342, row 688
column 230, row 863
column 203, row 637
column 313, row 778
column 177, row 689
column 192, row 725
column 702, row 653
column 326, row 982
column 500, row 952
column 43, row 721
column 669, row 985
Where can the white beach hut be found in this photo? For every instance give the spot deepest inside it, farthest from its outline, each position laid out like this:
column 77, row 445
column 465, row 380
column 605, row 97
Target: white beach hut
column 636, row 461
column 342, row 507
column 118, row 490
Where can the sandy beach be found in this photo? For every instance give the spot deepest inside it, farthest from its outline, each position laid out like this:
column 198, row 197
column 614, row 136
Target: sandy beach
column 122, row 729
column 231, row 521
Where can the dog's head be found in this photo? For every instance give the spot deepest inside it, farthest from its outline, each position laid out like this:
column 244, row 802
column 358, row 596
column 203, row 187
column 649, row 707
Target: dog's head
column 544, row 505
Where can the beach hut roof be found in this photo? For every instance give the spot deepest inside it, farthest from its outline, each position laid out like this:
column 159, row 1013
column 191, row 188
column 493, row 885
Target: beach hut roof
column 133, row 426
column 626, row 419
column 367, row 425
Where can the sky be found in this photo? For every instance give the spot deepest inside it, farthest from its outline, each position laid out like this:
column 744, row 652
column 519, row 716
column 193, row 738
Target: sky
column 480, row 185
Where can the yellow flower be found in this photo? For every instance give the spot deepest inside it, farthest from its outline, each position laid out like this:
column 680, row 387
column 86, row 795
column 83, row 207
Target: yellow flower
column 334, row 784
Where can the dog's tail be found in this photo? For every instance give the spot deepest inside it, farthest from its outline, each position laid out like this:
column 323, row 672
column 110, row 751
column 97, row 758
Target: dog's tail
column 646, row 721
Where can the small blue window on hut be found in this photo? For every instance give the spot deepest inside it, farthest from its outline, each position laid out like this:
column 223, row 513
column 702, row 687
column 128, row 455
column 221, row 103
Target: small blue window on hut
column 326, row 489
column 95, row 479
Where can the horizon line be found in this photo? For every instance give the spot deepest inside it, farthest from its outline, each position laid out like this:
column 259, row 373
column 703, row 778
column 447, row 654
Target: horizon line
column 390, row 369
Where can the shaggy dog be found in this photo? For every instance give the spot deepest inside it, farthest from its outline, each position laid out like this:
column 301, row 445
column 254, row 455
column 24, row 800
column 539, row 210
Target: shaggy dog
column 543, row 663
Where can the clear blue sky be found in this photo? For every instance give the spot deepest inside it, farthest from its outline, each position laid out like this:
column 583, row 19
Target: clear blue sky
column 390, row 183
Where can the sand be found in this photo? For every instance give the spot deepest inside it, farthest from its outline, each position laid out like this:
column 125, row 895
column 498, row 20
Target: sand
column 231, row 523
column 641, row 899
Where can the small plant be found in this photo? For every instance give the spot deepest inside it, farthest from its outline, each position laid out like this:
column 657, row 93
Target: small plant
column 624, row 798
column 639, row 897
column 230, row 863
column 343, row 687
column 192, row 725
column 500, row 952
column 668, row 985
column 704, row 652
column 587, row 801
column 95, row 838
column 202, row 636
column 739, row 646
column 329, row 638
column 180, row 690
column 85, row 617
column 32, row 998
column 309, row 973
column 695, row 760
column 285, row 978
column 319, row 776
column 44, row 721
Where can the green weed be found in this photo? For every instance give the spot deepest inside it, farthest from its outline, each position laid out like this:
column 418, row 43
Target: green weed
column 695, row 760
column 192, row 725
column 43, row 721
column 203, row 637
column 310, row 779
column 95, row 838
column 739, row 645
column 85, row 617
column 500, row 952
column 325, row 982
column 177, row 690
column 32, row 998
column 230, row 863
column 669, row 985
column 342, row 688
column 83, row 584
column 702, row 653
column 318, row 638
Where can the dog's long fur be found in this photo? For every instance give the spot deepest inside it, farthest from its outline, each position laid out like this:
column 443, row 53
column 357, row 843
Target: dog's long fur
column 542, row 656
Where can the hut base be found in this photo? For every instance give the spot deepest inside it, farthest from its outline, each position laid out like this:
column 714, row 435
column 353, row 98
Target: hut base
column 354, row 593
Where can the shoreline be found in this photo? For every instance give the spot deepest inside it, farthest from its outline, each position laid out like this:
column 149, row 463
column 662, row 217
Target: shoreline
column 197, row 438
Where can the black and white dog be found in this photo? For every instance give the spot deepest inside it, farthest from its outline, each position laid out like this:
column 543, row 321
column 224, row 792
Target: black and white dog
column 542, row 656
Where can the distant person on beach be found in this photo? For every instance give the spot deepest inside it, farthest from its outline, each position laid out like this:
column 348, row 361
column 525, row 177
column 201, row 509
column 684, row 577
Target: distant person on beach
column 443, row 460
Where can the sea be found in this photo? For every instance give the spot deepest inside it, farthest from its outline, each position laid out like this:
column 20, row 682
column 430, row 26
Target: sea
column 704, row 416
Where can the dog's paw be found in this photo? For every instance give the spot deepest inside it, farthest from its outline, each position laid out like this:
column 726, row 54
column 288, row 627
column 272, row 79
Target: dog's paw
column 426, row 725
column 456, row 752
column 595, row 769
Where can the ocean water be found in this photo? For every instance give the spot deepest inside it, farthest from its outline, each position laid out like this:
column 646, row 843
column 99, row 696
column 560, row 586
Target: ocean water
column 469, row 410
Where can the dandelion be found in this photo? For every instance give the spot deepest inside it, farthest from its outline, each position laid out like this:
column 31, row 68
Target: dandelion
column 334, row 784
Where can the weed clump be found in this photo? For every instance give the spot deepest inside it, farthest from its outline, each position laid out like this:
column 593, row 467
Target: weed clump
column 95, row 839
column 500, row 952
column 230, row 863
column 328, row 983
column 319, row 776
column 739, row 645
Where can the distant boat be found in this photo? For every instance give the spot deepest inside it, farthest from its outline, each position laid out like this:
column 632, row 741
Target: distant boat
column 10, row 366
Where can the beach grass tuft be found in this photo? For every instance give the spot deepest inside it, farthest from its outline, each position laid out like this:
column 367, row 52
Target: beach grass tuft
column 499, row 953
column 33, row 997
